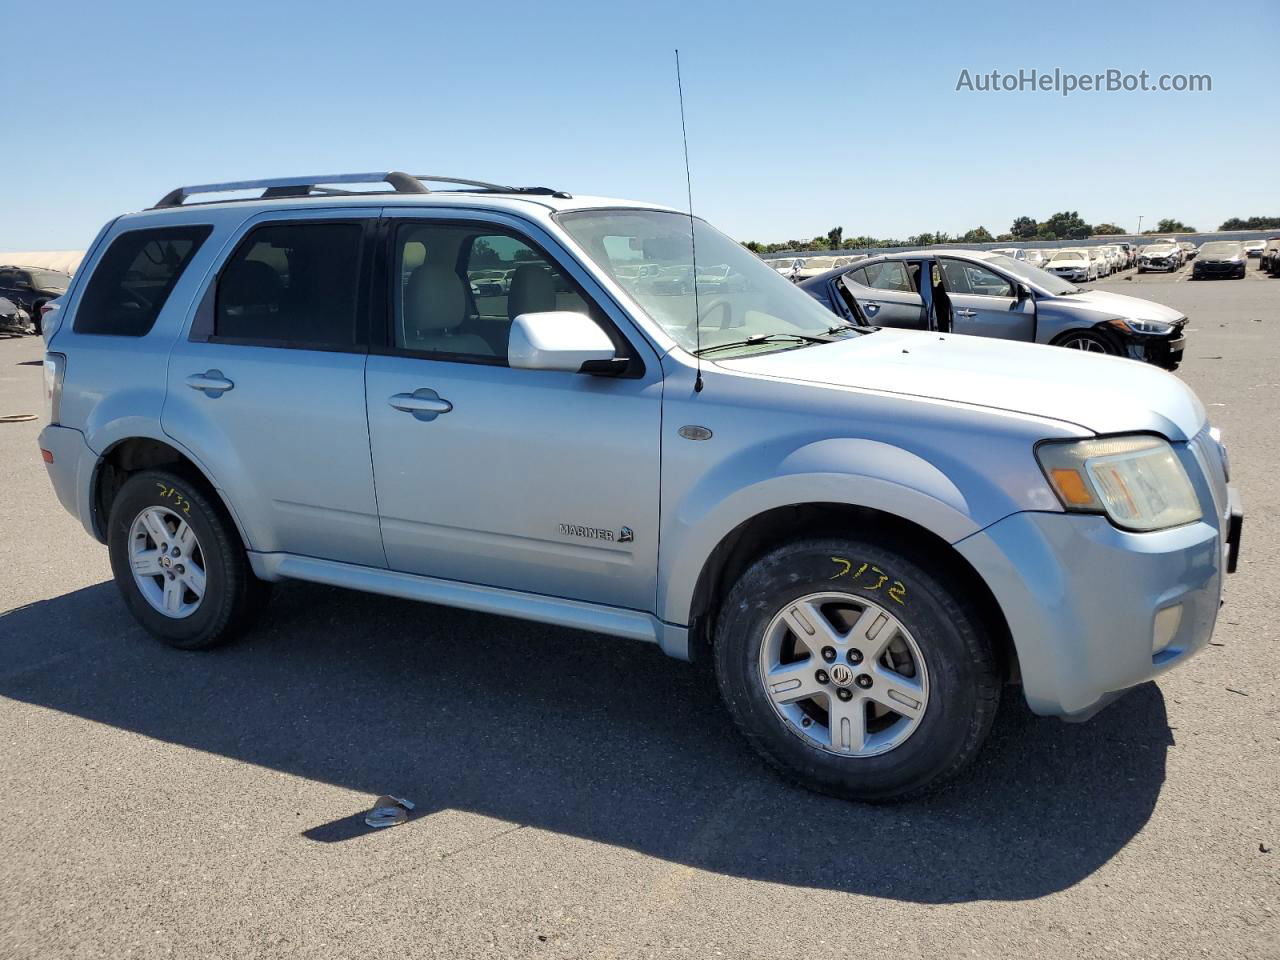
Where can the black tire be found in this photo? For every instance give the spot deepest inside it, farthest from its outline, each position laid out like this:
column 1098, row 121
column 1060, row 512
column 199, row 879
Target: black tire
column 1103, row 341
column 233, row 595
column 963, row 676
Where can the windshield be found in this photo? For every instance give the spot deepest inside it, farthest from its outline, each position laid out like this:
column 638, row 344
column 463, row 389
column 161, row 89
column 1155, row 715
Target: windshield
column 1160, row 248
column 1048, row 282
column 49, row 280
column 748, row 299
column 1222, row 248
column 1070, row 255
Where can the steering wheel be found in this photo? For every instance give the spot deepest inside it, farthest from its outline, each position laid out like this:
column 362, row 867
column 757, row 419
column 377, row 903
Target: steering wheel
column 718, row 303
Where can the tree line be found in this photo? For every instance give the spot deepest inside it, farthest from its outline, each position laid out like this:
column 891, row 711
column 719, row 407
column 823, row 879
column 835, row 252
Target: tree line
column 1066, row 225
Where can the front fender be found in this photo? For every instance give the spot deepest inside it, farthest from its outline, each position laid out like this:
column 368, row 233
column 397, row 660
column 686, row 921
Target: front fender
column 857, row 472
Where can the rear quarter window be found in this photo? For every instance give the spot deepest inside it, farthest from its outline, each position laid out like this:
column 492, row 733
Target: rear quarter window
column 134, row 278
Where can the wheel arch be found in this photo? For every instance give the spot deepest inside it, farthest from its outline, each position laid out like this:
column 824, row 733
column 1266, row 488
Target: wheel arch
column 758, row 535
column 129, row 455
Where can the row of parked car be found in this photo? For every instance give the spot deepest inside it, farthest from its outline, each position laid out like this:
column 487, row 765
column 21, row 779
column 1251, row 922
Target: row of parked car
column 1082, row 264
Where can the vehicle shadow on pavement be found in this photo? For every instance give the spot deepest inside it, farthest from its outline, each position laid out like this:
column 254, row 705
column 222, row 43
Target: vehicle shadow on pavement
column 589, row 736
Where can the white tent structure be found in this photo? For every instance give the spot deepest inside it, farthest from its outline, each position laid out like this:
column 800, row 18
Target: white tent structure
column 65, row 260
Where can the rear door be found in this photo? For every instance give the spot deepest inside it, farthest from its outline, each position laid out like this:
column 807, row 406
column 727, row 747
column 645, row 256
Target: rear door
column 983, row 303
column 267, row 387
column 889, row 296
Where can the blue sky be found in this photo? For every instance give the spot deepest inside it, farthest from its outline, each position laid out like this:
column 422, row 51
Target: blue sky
column 801, row 116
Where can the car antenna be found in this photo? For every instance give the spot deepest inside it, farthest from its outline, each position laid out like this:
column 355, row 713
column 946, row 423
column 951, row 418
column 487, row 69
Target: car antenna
column 693, row 243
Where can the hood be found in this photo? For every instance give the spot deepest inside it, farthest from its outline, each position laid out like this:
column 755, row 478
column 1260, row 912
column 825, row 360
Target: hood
column 1099, row 393
column 1120, row 305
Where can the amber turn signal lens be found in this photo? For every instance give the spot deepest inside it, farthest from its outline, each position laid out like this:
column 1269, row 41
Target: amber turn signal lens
column 1072, row 486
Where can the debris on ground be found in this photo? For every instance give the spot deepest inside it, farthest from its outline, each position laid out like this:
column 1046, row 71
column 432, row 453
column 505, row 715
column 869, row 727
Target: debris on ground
column 388, row 811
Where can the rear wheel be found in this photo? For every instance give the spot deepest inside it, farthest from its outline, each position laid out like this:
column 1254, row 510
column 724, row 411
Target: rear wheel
column 855, row 670
column 179, row 562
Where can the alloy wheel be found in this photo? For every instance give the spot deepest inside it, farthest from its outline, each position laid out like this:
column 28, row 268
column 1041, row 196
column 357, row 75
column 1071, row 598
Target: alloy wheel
column 844, row 674
column 167, row 562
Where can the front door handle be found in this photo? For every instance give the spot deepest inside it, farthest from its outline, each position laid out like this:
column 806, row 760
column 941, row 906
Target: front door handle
column 871, row 308
column 211, row 383
column 424, row 403
column 966, row 313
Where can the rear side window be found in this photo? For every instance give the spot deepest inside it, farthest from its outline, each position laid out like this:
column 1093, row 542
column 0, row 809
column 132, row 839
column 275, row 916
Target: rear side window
column 134, row 278
column 292, row 285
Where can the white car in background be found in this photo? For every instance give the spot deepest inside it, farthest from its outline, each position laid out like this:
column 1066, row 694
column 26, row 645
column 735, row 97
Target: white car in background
column 1038, row 258
column 1074, row 264
column 1116, row 256
column 812, row 266
column 1013, row 253
column 1159, row 256
column 788, row 267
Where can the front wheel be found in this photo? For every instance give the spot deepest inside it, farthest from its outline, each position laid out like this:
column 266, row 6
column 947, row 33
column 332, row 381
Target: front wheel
column 1090, row 341
column 179, row 562
column 855, row 670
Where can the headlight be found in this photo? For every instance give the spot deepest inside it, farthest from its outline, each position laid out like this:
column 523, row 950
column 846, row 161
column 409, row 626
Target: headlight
column 1136, row 481
column 1134, row 325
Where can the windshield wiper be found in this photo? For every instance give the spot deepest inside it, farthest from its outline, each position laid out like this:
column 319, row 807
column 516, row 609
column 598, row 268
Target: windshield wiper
column 755, row 338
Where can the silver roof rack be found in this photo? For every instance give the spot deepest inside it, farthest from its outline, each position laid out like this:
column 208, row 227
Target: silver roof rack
column 294, row 186
column 279, row 187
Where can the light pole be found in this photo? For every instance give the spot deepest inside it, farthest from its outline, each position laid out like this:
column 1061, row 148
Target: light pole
column 1139, row 225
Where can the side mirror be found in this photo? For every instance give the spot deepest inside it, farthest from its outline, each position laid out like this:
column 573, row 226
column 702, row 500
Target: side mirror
column 559, row 340
column 1022, row 291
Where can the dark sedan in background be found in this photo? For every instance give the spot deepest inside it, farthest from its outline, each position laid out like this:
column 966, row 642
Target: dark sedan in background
column 1220, row 258
column 985, row 294
column 32, row 287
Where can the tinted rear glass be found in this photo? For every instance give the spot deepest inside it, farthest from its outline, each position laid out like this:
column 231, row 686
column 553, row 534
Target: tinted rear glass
column 134, row 278
column 292, row 284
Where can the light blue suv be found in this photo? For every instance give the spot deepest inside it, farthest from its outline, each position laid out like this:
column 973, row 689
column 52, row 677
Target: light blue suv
column 871, row 533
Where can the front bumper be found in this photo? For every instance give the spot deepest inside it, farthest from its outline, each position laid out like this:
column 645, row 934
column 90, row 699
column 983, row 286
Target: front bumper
column 1209, row 268
column 1164, row 351
column 1095, row 610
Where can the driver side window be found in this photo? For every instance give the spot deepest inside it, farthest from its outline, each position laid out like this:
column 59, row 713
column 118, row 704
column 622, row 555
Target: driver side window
column 457, row 290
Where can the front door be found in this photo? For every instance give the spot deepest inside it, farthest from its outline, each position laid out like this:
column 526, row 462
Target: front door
column 532, row 480
column 268, row 388
column 983, row 302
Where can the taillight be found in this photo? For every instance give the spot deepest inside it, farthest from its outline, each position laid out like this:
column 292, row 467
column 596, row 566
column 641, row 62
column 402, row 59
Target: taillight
column 47, row 308
column 55, row 370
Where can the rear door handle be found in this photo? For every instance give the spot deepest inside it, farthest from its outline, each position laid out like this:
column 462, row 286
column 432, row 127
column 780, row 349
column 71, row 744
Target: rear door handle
column 966, row 313
column 211, row 383
column 424, row 403
column 871, row 307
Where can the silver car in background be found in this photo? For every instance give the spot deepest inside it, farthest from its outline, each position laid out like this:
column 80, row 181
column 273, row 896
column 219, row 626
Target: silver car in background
column 985, row 294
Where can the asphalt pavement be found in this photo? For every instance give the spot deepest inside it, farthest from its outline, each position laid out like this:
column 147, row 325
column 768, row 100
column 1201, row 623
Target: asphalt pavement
column 581, row 796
